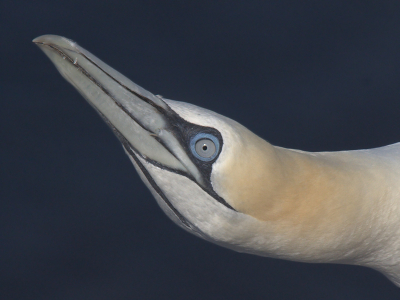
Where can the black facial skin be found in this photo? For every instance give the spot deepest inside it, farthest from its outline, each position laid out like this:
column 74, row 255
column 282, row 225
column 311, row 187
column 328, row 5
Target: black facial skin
column 184, row 131
column 204, row 167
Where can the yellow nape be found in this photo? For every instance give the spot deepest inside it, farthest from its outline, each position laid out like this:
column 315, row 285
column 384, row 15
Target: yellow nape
column 312, row 195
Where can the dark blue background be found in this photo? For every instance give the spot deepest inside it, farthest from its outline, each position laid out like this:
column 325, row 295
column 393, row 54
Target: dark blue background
column 76, row 222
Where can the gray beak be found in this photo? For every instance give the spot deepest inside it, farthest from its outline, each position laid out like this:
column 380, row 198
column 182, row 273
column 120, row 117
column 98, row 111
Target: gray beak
column 136, row 115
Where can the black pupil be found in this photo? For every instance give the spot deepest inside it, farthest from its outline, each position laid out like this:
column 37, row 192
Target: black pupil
column 205, row 147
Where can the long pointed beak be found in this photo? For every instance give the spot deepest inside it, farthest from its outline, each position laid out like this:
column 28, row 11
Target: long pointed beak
column 134, row 113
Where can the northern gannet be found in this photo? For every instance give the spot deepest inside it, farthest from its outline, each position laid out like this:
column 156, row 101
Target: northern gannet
column 219, row 181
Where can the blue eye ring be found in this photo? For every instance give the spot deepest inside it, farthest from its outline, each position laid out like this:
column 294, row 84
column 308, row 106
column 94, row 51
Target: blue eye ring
column 200, row 137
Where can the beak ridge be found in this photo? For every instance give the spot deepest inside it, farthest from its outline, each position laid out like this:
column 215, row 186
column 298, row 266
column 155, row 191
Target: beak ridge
column 72, row 47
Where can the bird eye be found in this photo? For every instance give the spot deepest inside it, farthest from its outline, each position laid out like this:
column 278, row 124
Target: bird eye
column 204, row 146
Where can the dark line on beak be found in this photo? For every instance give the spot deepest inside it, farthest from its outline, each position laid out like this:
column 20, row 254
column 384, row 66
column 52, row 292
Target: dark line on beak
column 156, row 188
column 87, row 74
column 145, row 99
column 133, row 153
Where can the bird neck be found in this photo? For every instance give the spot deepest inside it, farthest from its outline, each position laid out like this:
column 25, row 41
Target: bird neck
column 325, row 206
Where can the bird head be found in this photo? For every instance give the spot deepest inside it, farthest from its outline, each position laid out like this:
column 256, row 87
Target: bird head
column 201, row 167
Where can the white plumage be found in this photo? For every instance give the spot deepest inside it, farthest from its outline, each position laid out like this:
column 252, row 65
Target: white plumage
column 246, row 194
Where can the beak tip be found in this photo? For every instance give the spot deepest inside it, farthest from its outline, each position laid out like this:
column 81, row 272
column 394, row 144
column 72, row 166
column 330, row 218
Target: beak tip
column 51, row 39
column 38, row 40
